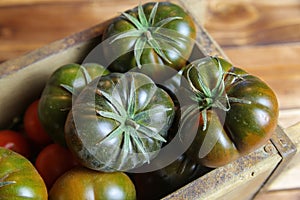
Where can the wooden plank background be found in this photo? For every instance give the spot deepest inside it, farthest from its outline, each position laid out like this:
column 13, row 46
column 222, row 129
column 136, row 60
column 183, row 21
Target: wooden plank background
column 262, row 37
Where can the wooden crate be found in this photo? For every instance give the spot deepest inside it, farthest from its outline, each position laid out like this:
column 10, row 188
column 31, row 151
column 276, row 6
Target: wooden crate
column 23, row 79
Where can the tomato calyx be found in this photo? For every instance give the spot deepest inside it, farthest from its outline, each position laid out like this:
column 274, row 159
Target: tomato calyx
column 148, row 33
column 207, row 95
column 129, row 125
column 4, row 183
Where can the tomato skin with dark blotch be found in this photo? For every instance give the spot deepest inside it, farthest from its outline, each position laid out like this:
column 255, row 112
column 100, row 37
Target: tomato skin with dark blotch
column 240, row 116
column 165, row 38
column 83, row 183
column 119, row 122
column 63, row 85
column 19, row 180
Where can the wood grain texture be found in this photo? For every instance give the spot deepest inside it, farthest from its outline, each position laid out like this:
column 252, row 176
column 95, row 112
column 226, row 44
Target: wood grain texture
column 24, row 28
column 276, row 195
column 249, row 22
column 285, row 180
column 27, row 2
column 261, row 36
column 231, row 23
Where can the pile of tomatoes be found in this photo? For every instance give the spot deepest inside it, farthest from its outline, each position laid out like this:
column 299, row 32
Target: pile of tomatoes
column 31, row 162
column 93, row 126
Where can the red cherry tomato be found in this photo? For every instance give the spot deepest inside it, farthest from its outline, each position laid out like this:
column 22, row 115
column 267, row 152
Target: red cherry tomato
column 15, row 141
column 33, row 126
column 53, row 161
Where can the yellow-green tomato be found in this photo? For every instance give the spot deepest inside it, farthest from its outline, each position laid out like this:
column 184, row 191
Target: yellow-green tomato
column 19, row 180
column 82, row 183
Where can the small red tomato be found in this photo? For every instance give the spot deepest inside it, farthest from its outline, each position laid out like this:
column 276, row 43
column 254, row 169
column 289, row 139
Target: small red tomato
column 33, row 127
column 53, row 161
column 15, row 141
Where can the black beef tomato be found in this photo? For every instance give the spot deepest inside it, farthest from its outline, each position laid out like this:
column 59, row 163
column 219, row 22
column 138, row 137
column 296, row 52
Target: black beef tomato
column 19, row 179
column 238, row 112
column 56, row 100
column 119, row 122
column 160, row 33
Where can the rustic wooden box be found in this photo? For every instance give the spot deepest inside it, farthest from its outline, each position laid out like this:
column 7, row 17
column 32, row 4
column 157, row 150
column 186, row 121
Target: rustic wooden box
column 22, row 80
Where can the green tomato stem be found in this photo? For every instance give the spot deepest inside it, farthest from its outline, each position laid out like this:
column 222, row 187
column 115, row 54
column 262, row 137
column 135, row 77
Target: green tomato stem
column 144, row 31
column 216, row 97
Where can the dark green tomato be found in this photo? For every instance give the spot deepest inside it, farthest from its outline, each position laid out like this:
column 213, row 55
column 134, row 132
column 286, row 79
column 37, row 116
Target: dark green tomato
column 157, row 184
column 19, row 180
column 161, row 33
column 119, row 122
column 82, row 183
column 56, row 100
column 238, row 111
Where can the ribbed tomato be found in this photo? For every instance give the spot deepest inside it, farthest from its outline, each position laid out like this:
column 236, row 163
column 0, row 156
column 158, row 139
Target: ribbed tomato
column 81, row 183
column 119, row 122
column 156, row 33
column 238, row 111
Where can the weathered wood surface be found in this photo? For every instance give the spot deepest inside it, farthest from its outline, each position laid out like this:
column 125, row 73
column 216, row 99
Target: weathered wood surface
column 287, row 184
column 263, row 37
